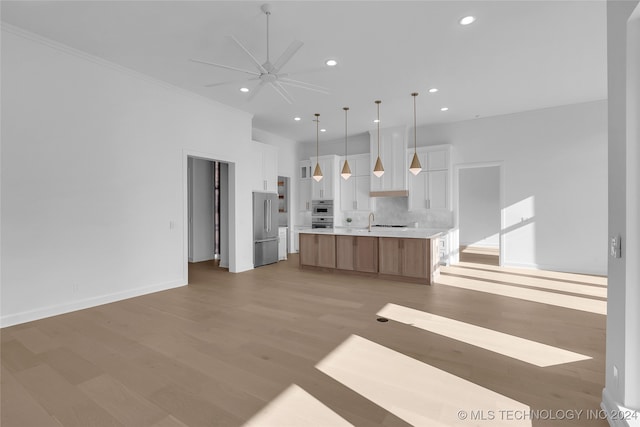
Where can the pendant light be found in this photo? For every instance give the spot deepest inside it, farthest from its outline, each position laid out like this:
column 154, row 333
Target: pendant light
column 317, row 172
column 378, row 170
column 346, row 170
column 415, row 167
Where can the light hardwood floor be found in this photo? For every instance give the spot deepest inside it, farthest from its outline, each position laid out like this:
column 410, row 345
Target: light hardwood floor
column 219, row 350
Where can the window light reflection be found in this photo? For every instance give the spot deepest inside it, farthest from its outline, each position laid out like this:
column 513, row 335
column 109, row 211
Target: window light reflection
column 508, row 345
column 416, row 392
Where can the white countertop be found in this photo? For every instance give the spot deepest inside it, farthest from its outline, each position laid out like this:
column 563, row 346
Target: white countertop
column 412, row 233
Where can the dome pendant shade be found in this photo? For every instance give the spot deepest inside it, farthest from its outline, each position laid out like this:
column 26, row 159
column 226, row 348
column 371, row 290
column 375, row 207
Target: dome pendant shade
column 346, row 170
column 378, row 170
column 317, row 173
column 415, row 167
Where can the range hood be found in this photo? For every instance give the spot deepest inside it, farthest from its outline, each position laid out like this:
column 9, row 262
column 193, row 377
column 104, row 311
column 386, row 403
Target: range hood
column 392, row 193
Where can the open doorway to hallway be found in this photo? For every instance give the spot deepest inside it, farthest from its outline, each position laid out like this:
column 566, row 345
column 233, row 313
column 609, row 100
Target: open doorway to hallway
column 208, row 211
column 479, row 214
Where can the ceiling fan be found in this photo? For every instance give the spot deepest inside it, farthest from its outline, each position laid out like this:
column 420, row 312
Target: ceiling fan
column 268, row 73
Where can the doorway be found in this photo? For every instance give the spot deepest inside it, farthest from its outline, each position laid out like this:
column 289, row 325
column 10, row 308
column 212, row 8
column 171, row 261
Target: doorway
column 208, row 211
column 284, row 216
column 479, row 218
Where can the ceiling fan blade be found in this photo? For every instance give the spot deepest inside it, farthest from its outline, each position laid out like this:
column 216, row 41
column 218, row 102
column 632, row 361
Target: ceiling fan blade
column 304, row 85
column 287, row 55
column 253, row 73
column 282, row 91
column 255, row 91
column 255, row 61
column 230, row 82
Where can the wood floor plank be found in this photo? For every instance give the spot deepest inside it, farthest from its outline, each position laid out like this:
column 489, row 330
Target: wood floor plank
column 16, row 357
column 35, row 340
column 70, row 365
column 19, row 408
column 61, row 399
column 219, row 350
column 123, row 404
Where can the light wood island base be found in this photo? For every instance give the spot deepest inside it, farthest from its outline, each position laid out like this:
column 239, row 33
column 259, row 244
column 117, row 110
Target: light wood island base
column 414, row 260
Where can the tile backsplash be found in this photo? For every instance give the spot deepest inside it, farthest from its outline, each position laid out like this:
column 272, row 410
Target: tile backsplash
column 395, row 210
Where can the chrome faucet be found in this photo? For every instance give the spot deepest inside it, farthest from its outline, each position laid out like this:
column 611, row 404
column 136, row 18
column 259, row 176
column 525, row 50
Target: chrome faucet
column 372, row 217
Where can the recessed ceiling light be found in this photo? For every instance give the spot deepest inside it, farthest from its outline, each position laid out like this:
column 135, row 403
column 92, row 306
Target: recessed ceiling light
column 297, row 119
column 444, row 109
column 433, row 90
column 375, row 120
column 467, row 20
column 331, row 62
column 323, row 130
column 244, row 89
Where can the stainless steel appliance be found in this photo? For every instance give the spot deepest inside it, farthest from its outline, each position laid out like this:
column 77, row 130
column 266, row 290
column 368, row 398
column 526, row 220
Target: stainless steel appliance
column 265, row 228
column 322, row 214
column 321, row 222
column 322, row 208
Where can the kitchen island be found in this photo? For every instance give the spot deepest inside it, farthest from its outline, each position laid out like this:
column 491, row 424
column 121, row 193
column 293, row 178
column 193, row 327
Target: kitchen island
column 408, row 254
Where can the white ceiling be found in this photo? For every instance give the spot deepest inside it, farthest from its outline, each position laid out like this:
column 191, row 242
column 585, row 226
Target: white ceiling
column 517, row 56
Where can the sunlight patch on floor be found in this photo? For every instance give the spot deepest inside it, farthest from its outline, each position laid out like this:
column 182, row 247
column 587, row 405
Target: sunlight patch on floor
column 546, row 283
column 544, row 297
column 416, row 392
column 508, row 345
column 545, row 274
column 295, row 407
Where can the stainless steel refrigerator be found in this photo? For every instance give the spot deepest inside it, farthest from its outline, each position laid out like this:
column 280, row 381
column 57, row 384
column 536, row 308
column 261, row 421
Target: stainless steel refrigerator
column 265, row 228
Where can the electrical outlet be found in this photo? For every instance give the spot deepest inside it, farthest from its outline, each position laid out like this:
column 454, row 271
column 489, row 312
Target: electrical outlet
column 615, row 375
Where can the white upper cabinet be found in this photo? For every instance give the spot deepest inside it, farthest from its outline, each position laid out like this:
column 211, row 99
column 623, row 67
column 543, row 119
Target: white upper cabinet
column 304, row 186
column 393, row 153
column 304, row 195
column 325, row 189
column 265, row 168
column 431, row 188
column 304, row 170
column 354, row 192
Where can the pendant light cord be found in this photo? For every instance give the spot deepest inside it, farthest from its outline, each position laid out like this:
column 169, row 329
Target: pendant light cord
column 268, row 13
column 415, row 144
column 378, row 103
column 345, row 132
column 317, row 136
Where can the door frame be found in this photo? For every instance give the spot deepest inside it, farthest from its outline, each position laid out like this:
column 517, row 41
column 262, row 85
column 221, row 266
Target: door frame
column 455, row 240
column 185, row 205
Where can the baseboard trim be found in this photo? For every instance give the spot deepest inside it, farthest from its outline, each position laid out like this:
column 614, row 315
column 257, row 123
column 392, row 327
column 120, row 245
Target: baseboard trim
column 55, row 310
column 610, row 406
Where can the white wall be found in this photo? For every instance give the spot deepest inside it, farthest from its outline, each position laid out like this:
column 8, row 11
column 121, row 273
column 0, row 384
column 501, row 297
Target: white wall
column 202, row 210
column 479, row 206
column 94, row 179
column 622, row 327
column 356, row 144
column 555, row 175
